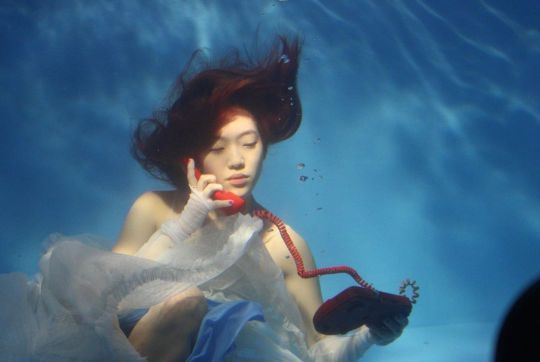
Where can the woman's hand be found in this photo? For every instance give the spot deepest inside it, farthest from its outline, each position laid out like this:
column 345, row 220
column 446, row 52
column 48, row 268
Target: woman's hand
column 204, row 187
column 388, row 330
column 196, row 210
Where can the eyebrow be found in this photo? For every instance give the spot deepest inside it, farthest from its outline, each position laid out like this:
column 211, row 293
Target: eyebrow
column 251, row 131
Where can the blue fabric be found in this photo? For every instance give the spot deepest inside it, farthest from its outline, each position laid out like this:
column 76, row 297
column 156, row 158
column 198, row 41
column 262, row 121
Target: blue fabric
column 221, row 326
column 128, row 320
column 218, row 330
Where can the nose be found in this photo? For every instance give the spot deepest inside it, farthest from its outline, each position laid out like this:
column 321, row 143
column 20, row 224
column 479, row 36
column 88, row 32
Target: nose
column 236, row 159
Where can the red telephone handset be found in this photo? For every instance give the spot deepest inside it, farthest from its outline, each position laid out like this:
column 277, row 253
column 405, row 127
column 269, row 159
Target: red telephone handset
column 238, row 202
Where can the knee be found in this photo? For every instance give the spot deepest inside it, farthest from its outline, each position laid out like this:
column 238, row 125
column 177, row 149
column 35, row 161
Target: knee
column 189, row 308
column 169, row 329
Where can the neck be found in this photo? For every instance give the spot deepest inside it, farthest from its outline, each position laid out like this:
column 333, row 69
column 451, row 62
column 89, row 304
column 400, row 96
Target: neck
column 249, row 205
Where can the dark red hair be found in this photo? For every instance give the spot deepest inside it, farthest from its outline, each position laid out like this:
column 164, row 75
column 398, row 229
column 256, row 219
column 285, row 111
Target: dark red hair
column 188, row 126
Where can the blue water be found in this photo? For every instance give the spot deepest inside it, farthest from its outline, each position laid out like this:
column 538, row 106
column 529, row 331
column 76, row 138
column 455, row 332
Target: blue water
column 419, row 139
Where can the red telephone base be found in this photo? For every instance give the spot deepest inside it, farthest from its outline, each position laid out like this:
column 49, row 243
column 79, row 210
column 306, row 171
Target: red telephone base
column 356, row 306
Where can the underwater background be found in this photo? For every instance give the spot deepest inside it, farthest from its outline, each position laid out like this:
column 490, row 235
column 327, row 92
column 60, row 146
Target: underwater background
column 418, row 155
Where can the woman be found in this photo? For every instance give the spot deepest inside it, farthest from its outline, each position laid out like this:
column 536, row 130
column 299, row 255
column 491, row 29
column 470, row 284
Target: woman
column 225, row 118
column 186, row 280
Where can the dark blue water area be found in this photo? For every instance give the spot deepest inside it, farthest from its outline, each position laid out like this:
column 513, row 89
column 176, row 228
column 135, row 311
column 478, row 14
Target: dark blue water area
column 419, row 142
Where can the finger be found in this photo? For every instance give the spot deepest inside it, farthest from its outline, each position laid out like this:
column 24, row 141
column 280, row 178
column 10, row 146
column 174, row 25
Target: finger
column 402, row 320
column 379, row 328
column 383, row 330
column 393, row 326
column 219, row 204
column 204, row 181
column 192, row 180
column 397, row 323
column 380, row 337
column 211, row 188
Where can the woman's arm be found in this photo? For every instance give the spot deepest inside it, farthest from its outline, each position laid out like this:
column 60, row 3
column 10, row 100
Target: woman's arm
column 140, row 224
column 151, row 209
column 306, row 292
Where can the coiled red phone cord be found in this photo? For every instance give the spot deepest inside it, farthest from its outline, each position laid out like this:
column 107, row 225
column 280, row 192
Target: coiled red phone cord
column 265, row 214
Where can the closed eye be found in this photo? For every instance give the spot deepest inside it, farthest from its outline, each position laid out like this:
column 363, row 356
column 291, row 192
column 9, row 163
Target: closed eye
column 250, row 145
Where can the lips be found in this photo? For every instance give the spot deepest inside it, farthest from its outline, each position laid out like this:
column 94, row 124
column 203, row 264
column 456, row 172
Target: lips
column 237, row 176
column 238, row 179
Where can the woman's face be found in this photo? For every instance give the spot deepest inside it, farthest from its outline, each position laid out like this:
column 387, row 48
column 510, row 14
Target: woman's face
column 236, row 157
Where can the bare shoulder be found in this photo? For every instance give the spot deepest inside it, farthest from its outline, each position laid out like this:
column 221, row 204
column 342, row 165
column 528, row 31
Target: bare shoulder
column 296, row 237
column 279, row 251
column 145, row 216
column 160, row 205
column 272, row 237
column 301, row 245
column 148, row 200
column 271, row 233
column 155, row 198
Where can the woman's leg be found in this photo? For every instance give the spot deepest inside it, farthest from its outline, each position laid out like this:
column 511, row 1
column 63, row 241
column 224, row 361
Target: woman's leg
column 169, row 330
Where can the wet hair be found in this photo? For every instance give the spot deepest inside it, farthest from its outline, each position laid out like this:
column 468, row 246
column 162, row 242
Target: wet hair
column 200, row 99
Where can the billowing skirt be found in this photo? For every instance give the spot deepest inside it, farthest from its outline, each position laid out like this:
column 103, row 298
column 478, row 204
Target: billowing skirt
column 68, row 310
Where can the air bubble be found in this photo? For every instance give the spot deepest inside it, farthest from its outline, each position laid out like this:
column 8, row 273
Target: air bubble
column 284, row 59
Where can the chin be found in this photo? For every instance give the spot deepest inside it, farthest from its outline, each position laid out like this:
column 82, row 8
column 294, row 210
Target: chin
column 241, row 191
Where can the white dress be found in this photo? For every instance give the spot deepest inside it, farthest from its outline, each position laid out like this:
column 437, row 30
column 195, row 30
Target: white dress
column 66, row 312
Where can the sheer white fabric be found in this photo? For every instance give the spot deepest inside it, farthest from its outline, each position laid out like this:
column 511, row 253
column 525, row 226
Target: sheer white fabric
column 67, row 311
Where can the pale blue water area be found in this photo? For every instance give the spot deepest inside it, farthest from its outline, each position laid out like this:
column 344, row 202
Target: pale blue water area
column 419, row 139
